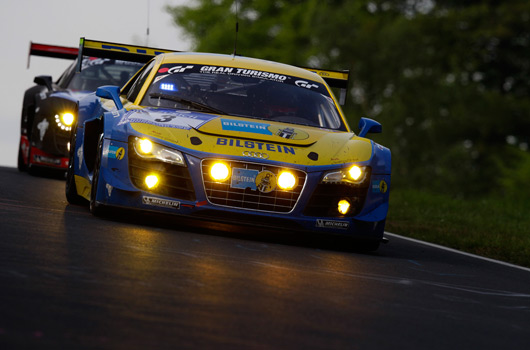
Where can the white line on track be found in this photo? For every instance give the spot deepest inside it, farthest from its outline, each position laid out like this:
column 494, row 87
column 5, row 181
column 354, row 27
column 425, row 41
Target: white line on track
column 457, row 251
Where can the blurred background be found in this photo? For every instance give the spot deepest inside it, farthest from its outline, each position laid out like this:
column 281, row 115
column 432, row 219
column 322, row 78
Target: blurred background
column 449, row 80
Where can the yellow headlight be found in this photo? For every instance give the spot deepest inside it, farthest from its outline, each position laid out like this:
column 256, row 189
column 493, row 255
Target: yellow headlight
column 286, row 180
column 145, row 146
column 220, row 172
column 355, row 172
column 67, row 119
column 343, row 206
column 151, row 181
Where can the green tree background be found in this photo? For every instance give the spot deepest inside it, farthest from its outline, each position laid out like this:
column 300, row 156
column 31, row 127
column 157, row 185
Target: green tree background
column 449, row 80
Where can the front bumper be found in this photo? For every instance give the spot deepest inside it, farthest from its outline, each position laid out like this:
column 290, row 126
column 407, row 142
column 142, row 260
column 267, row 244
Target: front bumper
column 117, row 188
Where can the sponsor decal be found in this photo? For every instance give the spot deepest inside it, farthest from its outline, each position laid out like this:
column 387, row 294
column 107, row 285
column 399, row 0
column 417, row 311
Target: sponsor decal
column 178, row 69
column 43, row 126
column 244, row 178
column 263, row 129
column 145, row 51
column 160, row 77
column 383, row 187
column 253, row 127
column 92, row 61
column 289, row 133
column 379, row 186
column 263, row 181
column 243, row 73
column 266, row 181
column 80, row 156
column 259, row 155
column 254, row 145
column 160, row 202
column 306, row 84
column 175, row 69
column 343, row 225
column 166, row 118
column 48, row 160
column 109, row 189
column 116, row 152
column 217, row 70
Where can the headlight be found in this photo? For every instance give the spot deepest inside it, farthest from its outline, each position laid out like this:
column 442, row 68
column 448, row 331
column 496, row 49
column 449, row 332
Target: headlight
column 355, row 172
column 65, row 120
column 353, row 175
column 151, row 181
column 145, row 146
column 220, row 172
column 150, row 150
column 287, row 181
column 343, row 206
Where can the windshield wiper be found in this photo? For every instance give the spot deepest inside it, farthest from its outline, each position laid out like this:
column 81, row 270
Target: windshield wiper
column 194, row 104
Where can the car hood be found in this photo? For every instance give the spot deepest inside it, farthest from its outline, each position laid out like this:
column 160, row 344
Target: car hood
column 235, row 136
column 70, row 95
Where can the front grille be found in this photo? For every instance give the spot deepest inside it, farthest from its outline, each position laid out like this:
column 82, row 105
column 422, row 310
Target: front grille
column 175, row 181
column 62, row 137
column 324, row 200
column 224, row 194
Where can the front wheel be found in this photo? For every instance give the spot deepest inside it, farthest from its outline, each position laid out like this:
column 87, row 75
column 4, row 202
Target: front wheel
column 71, row 191
column 96, row 208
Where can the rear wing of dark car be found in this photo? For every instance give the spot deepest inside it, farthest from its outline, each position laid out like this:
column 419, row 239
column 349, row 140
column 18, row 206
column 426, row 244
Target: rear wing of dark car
column 142, row 54
column 54, row 51
column 335, row 79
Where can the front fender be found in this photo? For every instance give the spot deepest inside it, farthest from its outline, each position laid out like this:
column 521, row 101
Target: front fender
column 89, row 109
column 381, row 160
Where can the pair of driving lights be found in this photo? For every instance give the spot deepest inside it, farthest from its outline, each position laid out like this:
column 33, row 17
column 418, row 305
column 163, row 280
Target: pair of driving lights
column 286, row 180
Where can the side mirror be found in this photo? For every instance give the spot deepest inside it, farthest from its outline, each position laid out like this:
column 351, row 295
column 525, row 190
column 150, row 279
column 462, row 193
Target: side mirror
column 110, row 92
column 44, row 80
column 368, row 125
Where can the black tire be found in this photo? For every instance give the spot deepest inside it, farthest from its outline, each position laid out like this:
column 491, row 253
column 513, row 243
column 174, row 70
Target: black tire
column 33, row 169
column 26, row 123
column 97, row 209
column 21, row 165
column 70, row 188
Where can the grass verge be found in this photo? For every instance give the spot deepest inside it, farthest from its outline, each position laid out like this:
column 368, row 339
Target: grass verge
column 490, row 227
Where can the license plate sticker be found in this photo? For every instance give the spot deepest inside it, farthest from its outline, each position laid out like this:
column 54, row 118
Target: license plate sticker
column 243, row 178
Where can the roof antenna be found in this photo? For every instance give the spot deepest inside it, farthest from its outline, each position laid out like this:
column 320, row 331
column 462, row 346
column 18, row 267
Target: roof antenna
column 147, row 32
column 237, row 29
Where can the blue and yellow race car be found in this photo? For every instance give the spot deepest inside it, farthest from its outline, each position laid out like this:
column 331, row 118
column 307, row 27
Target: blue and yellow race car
column 229, row 138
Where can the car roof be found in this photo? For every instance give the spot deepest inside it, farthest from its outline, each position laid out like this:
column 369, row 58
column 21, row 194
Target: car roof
column 238, row 62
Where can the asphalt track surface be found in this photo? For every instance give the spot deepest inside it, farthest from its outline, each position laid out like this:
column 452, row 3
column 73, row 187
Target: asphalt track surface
column 69, row 280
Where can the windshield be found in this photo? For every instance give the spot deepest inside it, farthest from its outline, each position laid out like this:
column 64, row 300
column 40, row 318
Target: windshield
column 96, row 72
column 244, row 93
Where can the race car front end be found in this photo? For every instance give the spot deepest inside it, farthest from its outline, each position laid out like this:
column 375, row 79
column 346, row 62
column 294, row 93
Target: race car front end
column 49, row 107
column 246, row 183
column 52, row 124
